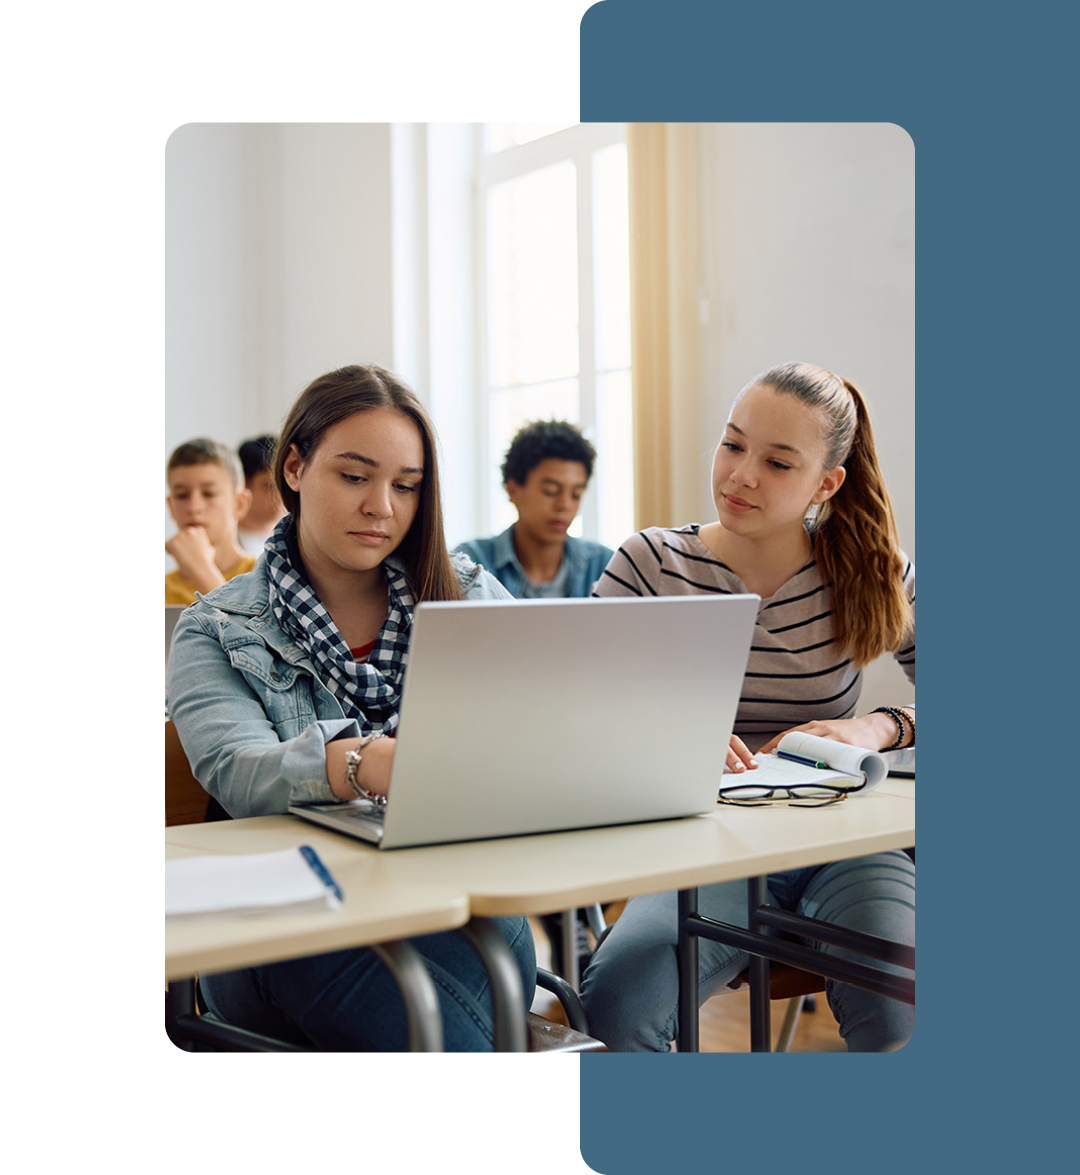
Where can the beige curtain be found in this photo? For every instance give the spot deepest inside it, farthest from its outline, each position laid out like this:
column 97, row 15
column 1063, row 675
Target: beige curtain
column 665, row 310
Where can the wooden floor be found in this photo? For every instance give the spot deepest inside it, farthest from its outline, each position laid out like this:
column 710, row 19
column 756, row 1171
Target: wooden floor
column 724, row 1022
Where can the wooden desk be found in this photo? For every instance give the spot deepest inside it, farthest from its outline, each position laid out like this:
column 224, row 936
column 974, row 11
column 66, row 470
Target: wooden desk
column 553, row 872
column 544, row 874
column 890, row 811
column 369, row 916
column 896, row 785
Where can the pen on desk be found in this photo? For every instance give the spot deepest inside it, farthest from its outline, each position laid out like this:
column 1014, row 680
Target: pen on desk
column 803, row 761
column 313, row 859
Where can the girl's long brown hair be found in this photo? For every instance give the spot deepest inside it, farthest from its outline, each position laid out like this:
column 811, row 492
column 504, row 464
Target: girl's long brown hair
column 854, row 533
column 334, row 397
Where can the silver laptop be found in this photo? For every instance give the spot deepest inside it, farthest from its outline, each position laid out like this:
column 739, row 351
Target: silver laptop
column 529, row 716
column 901, row 762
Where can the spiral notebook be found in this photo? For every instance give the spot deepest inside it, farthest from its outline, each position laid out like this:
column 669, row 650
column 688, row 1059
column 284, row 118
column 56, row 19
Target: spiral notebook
column 855, row 769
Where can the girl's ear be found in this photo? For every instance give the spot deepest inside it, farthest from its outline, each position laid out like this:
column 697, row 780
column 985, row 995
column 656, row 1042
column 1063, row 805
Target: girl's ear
column 830, row 483
column 292, row 468
column 242, row 504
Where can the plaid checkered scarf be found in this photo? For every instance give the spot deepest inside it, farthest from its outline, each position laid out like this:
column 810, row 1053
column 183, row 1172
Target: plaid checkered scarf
column 369, row 692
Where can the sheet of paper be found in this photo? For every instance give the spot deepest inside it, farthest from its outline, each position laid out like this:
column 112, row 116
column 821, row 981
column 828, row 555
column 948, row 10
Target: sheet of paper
column 251, row 883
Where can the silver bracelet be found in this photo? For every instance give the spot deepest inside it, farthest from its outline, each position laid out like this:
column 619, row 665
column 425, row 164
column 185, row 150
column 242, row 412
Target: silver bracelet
column 352, row 765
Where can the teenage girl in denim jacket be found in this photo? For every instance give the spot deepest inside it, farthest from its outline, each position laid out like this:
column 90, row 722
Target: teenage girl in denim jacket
column 284, row 683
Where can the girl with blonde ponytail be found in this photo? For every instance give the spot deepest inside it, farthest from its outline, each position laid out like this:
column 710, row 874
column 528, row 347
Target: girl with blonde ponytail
column 854, row 532
column 803, row 521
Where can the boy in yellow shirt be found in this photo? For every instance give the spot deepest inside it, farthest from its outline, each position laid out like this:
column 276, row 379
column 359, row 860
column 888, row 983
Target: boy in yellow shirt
column 206, row 499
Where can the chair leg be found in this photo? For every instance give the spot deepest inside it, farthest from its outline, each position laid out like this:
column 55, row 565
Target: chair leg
column 595, row 916
column 571, row 970
column 507, row 996
column 791, row 1021
column 179, row 1001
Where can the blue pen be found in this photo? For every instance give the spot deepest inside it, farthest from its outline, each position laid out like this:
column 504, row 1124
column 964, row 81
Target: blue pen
column 321, row 871
column 804, row 762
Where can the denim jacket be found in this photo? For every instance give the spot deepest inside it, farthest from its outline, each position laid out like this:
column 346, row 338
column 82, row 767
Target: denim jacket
column 585, row 562
column 251, row 712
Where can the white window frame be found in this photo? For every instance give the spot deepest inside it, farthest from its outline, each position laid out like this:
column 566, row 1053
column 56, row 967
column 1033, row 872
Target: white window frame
column 575, row 144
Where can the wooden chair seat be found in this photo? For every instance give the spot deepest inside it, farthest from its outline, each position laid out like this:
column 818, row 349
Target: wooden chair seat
column 785, row 982
column 546, row 1036
column 185, row 799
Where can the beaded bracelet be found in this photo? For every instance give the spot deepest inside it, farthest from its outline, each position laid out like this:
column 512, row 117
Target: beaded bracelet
column 898, row 717
column 907, row 713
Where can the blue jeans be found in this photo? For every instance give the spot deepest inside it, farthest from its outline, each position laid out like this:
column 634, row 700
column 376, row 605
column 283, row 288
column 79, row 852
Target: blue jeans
column 631, row 988
column 349, row 1001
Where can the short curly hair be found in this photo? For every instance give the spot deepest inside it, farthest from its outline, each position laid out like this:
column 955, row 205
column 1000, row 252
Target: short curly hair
column 540, row 439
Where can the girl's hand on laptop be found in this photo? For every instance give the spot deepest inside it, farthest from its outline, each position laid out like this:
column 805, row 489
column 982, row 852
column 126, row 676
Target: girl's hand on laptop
column 376, row 765
column 738, row 756
column 376, row 762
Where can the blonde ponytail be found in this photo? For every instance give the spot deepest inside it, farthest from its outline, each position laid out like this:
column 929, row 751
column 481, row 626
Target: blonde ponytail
column 854, row 533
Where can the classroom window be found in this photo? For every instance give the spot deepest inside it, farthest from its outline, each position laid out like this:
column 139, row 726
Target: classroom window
column 554, row 305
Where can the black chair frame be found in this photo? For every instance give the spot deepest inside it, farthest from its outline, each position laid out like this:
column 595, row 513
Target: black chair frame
column 189, row 1029
column 764, row 947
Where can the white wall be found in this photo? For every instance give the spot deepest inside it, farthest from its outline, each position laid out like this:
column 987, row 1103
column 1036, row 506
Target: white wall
column 213, row 278
column 278, row 268
column 808, row 253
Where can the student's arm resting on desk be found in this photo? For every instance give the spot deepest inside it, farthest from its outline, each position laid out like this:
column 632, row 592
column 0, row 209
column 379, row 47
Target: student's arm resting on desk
column 373, row 774
column 254, row 757
column 873, row 731
column 876, row 732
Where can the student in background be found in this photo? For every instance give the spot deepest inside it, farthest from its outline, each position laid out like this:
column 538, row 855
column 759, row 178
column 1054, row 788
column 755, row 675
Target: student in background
column 284, row 685
column 206, row 498
column 266, row 510
column 545, row 472
column 804, row 521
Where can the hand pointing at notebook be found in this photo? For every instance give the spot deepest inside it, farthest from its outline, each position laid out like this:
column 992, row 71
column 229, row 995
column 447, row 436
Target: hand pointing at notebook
column 739, row 757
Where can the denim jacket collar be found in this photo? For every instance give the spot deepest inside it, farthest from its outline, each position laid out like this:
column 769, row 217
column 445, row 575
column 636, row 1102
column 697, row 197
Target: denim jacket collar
column 247, row 597
column 245, row 602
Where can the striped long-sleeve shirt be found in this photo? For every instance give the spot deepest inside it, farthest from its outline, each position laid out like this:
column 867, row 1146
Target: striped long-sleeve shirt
column 794, row 673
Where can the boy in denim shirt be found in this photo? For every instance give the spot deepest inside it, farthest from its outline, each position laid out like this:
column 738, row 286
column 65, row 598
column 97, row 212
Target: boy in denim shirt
column 545, row 472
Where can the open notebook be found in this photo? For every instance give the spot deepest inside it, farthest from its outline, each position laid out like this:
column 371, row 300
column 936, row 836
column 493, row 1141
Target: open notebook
column 812, row 759
column 282, row 882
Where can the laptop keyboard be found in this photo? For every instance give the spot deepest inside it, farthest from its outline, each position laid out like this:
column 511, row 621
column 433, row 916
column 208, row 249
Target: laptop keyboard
column 369, row 812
